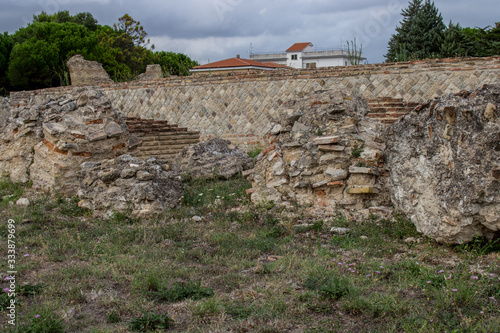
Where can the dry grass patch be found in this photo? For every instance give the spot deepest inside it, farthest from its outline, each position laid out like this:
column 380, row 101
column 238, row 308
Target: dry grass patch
column 241, row 268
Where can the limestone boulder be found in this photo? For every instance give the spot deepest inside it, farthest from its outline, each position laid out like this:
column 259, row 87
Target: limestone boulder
column 445, row 166
column 211, row 159
column 323, row 152
column 128, row 183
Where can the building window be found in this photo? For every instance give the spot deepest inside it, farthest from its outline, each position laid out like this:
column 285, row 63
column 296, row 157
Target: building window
column 311, row 65
column 294, row 57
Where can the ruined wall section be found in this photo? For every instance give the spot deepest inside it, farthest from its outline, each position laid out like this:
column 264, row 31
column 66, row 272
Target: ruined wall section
column 86, row 73
column 240, row 107
column 4, row 111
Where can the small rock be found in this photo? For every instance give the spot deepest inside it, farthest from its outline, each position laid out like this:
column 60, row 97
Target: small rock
column 112, row 129
column 196, row 218
column 84, row 204
column 491, row 112
column 127, row 173
column 303, row 226
column 299, row 127
column 23, row 202
column 144, row 175
column 276, row 129
column 340, row 231
column 411, row 240
column 363, row 237
column 97, row 136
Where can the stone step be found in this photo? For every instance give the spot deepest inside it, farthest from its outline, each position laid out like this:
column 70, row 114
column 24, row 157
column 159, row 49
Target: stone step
column 147, row 123
column 387, row 115
column 386, row 120
column 392, row 109
column 169, row 136
column 167, row 143
column 159, row 130
column 392, row 104
column 383, row 99
column 161, row 148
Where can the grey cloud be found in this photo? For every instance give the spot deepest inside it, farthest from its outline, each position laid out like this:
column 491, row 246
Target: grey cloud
column 218, row 29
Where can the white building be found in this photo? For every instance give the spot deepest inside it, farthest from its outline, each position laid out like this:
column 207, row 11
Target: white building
column 301, row 55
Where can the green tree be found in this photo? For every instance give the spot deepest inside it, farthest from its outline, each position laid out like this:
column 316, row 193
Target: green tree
column 35, row 56
column 133, row 29
column 455, row 42
column 86, row 19
column 173, row 63
column 38, row 58
column 426, row 32
column 419, row 35
column 398, row 41
column 483, row 42
column 5, row 49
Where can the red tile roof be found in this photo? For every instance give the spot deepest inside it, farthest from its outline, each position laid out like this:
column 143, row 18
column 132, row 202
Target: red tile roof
column 298, row 47
column 237, row 62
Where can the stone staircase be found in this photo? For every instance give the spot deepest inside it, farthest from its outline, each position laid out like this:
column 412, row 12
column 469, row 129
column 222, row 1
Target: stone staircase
column 159, row 138
column 387, row 110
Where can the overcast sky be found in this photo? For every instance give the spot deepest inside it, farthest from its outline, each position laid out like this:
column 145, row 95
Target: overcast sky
column 218, row 29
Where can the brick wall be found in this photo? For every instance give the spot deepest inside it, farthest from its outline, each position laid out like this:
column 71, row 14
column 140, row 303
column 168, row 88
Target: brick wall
column 239, row 107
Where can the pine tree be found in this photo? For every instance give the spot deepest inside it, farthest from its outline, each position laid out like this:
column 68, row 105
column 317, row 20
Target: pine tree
column 455, row 43
column 400, row 39
column 419, row 35
column 426, row 32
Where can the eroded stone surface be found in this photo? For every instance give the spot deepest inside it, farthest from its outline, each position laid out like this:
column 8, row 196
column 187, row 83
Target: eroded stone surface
column 153, row 72
column 443, row 158
column 128, row 183
column 86, row 73
column 315, row 156
column 211, row 158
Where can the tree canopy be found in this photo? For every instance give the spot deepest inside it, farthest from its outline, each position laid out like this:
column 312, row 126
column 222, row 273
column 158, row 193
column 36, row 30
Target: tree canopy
column 422, row 34
column 35, row 56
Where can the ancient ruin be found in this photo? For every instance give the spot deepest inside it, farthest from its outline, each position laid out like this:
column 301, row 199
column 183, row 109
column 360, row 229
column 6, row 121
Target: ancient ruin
column 153, row 72
column 130, row 184
column 86, row 73
column 213, row 158
column 323, row 152
column 325, row 133
column 444, row 160
column 70, row 144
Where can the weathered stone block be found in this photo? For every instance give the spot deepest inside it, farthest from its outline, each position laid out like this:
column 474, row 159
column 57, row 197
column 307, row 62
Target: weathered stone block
column 326, row 140
column 86, row 73
column 336, row 174
column 363, row 190
column 445, row 183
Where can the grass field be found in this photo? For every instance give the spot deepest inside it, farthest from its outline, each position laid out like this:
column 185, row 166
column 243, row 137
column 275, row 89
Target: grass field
column 240, row 268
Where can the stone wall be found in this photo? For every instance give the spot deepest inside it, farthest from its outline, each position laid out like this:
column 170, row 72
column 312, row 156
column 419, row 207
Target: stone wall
column 240, row 107
column 4, row 111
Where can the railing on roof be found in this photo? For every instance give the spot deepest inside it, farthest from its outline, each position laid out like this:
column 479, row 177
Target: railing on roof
column 314, row 49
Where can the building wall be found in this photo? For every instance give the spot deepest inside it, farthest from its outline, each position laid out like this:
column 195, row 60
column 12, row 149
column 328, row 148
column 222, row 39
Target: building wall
column 240, row 107
column 295, row 63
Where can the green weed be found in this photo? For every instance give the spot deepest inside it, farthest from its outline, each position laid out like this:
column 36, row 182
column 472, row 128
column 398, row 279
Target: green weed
column 179, row 291
column 151, row 321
